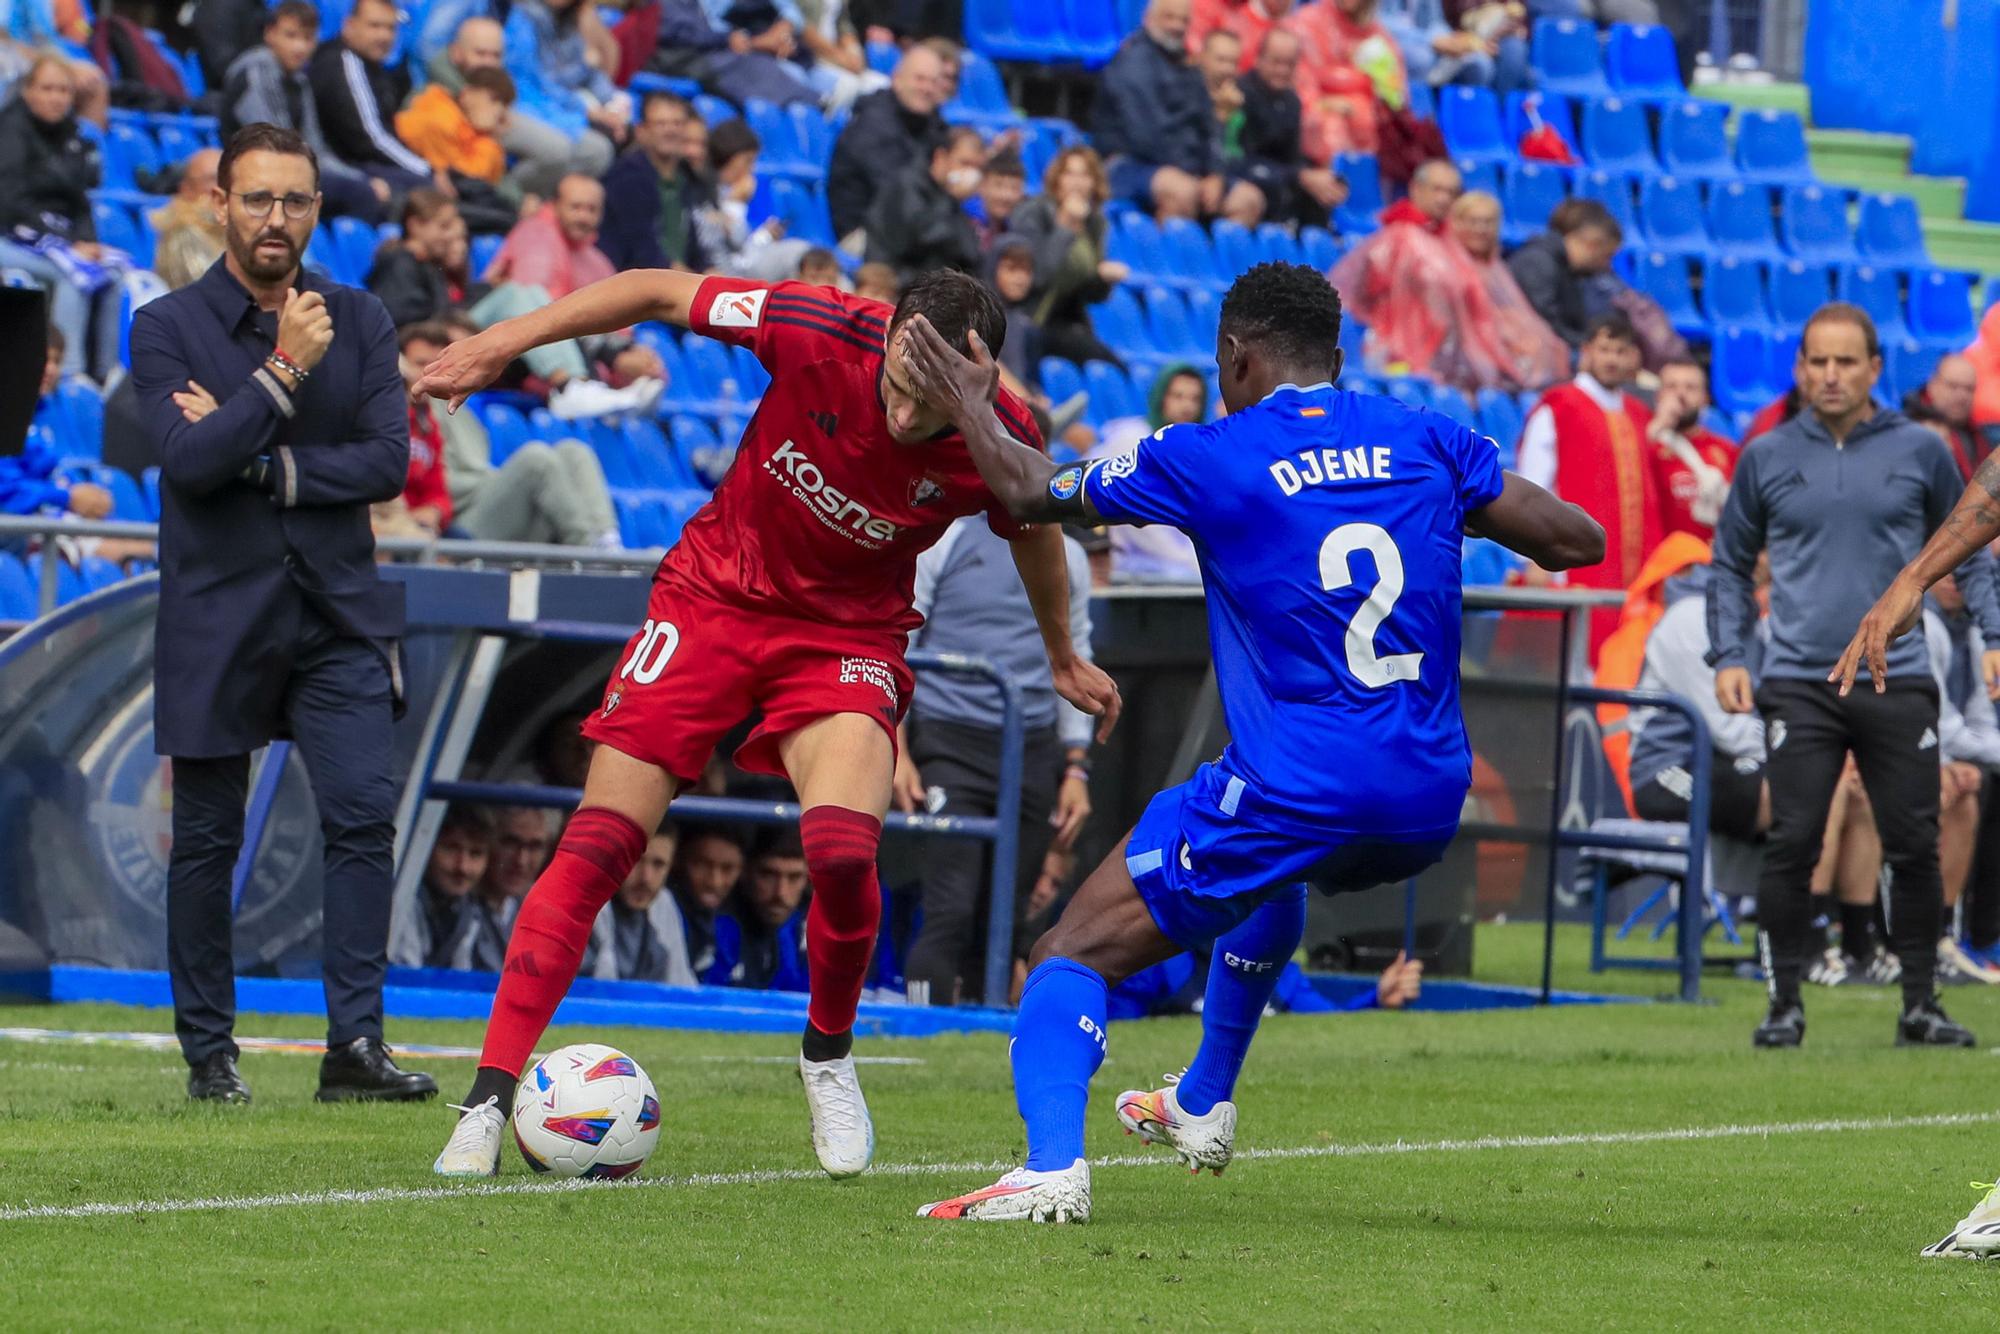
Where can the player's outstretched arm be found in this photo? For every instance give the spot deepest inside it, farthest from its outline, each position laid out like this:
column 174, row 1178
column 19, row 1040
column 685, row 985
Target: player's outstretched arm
column 962, row 388
column 1973, row 523
column 1554, row 534
column 469, row 365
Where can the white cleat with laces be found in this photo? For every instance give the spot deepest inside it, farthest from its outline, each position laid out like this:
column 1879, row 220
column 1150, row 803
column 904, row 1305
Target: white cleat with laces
column 474, row 1147
column 1977, row 1236
column 1022, row 1196
column 1157, row 1117
column 843, row 1134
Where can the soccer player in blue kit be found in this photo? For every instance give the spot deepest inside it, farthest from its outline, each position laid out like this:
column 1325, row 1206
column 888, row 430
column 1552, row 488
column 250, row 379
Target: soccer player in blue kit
column 1329, row 527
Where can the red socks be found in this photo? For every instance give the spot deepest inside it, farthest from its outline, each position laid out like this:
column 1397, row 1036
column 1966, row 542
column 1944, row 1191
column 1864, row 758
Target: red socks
column 598, row 850
column 845, row 914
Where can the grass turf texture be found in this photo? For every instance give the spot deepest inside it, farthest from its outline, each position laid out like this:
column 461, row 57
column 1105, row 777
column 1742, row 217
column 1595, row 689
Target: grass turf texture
column 1805, row 1230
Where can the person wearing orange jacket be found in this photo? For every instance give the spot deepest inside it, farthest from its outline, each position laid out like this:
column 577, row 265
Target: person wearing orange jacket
column 459, row 133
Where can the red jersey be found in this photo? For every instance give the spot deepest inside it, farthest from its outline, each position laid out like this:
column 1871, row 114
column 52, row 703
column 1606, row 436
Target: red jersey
column 822, row 515
column 1678, row 486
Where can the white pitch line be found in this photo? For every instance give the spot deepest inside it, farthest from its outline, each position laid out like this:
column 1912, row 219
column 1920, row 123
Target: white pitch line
column 734, row 1059
column 545, row 1186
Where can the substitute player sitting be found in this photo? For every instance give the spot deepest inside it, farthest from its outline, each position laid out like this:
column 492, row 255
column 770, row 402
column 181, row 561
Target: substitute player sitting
column 788, row 594
column 1329, row 527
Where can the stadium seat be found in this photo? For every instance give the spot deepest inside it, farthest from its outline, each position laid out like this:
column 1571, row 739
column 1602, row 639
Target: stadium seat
column 116, row 228
column 1614, row 191
column 1363, row 174
column 19, row 598
column 324, row 254
column 1190, row 261
column 484, row 248
column 1482, row 176
column 783, row 154
column 1526, row 110
column 1565, row 53
column 1891, row 232
column 1136, row 242
column 1781, row 355
column 1120, row 322
column 1501, row 417
column 1739, row 369
column 1771, row 147
column 1172, row 331
column 1906, row 364
column 1813, row 223
column 1319, row 248
column 1798, row 289
column 1061, row 381
column 506, row 429
column 710, row 365
column 1408, row 390
column 1529, row 192
column 83, row 419
column 1732, row 293
column 69, row 583
column 751, row 377
column 1941, row 307
column 1003, row 30
column 979, row 87
column 1111, row 392
column 149, row 482
column 176, row 140
column 97, row 572
column 1641, row 63
column 1739, row 221
column 1092, row 30
column 1205, row 317
column 814, row 131
column 1615, row 137
column 1470, row 119
column 1670, row 212
column 1694, row 141
column 1664, row 277
column 1276, row 245
column 1354, row 343
column 358, row 243
column 1877, row 291
column 129, row 153
column 712, row 109
column 1452, row 402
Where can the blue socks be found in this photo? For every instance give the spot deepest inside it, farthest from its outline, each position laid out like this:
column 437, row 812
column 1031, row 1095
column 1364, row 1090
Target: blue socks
column 1058, row 1045
column 1242, row 975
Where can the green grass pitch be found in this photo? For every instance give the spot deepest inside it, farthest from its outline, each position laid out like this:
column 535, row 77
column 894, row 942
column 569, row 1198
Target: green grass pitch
column 1501, row 1170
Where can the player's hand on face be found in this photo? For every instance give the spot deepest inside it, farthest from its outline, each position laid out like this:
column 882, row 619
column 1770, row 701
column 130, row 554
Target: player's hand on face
column 908, row 785
column 941, row 377
column 195, row 402
column 465, row 368
column 1087, row 686
column 1071, row 812
column 1892, row 615
column 1733, row 691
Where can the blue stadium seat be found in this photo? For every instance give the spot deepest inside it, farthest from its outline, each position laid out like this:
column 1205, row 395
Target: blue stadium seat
column 1798, row 288
column 97, row 572
column 1740, row 368
column 506, row 428
column 1092, row 31
column 1524, row 110
column 1615, row 137
column 1642, row 64
column 1136, row 242
column 1120, row 322
column 1173, row 331
column 83, row 419
column 1732, row 293
column 1614, row 191
column 1111, row 393
column 1319, row 248
column 484, row 248
column 1906, row 364
column 324, row 254
column 751, row 377
column 69, row 583
column 1277, row 245
column 1483, row 176
column 129, row 152
column 1739, row 221
column 1664, row 277
column 149, row 482
column 1565, row 53
column 704, row 452
column 1813, row 222
column 1877, row 291
column 1452, row 402
column 1501, row 417
column 814, row 132
column 1529, row 192
column 358, row 242
column 1408, row 390
column 115, row 227
column 783, row 154
column 882, row 58
column 177, row 140
column 1235, row 247
column 712, row 109
column 710, row 364
column 979, row 87
column 19, row 598
column 1363, row 174
column 1781, row 362
column 1190, row 261
column 1061, row 380
column 1891, row 232
column 1205, row 316
column 1470, row 119
column 1670, row 210
column 1941, row 307
column 1771, row 147
column 1694, row 141
column 1002, row 30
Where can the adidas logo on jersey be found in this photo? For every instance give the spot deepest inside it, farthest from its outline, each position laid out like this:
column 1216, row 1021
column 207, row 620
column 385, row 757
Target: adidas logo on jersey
column 833, row 507
column 1928, row 741
column 826, row 421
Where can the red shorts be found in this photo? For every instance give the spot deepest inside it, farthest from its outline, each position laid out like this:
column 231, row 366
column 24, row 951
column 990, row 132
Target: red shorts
column 698, row 667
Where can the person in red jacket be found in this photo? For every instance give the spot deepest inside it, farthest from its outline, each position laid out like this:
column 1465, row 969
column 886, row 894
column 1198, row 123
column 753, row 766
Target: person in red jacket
column 1692, row 465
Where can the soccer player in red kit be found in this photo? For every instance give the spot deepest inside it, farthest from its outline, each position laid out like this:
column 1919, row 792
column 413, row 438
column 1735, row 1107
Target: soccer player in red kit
column 788, row 594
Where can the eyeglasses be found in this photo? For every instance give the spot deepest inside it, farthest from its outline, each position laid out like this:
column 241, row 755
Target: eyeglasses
column 258, row 203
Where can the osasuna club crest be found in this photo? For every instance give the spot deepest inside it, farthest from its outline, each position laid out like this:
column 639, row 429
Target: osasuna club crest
column 924, row 491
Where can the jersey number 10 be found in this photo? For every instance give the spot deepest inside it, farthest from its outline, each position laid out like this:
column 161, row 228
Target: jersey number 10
column 1335, row 573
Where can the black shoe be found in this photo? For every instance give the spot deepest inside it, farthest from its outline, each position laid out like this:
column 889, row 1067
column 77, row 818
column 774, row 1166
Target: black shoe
column 362, row 1069
column 1784, row 1026
column 215, row 1080
column 1927, row 1025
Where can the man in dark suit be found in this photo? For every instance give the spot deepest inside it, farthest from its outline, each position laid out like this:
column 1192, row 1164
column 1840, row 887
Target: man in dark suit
column 274, row 400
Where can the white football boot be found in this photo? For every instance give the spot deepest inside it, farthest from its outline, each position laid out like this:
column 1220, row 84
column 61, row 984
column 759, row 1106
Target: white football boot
column 1061, row 1196
column 1200, row 1141
column 474, row 1147
column 1977, row 1235
column 843, row 1134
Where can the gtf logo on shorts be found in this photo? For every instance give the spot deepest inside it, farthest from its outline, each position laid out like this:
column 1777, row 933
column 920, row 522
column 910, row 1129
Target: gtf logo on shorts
column 831, row 506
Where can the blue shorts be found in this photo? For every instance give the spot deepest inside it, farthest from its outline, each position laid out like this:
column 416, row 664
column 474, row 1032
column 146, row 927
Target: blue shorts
column 1203, row 863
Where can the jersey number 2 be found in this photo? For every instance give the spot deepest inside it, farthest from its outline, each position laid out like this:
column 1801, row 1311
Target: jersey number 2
column 657, row 642
column 1335, row 573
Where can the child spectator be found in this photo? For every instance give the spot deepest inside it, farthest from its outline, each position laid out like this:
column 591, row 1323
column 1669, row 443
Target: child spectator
column 877, row 282
column 460, row 134
column 1013, row 276
column 733, row 246
column 821, row 268
column 1001, row 190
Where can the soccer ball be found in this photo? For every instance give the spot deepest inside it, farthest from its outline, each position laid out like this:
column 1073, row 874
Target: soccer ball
column 586, row 1111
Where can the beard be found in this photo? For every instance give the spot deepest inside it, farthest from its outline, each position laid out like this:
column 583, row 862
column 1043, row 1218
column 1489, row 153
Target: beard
column 262, row 267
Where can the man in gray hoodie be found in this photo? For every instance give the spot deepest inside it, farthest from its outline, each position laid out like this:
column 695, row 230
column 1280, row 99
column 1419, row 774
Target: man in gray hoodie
column 1843, row 495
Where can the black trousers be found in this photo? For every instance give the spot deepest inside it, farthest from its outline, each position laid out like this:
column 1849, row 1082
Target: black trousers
column 338, row 708
column 964, row 762
column 1809, row 731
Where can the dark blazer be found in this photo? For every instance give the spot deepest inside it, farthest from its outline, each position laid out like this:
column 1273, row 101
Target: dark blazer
column 240, row 565
column 631, row 235
column 1153, row 106
column 917, row 226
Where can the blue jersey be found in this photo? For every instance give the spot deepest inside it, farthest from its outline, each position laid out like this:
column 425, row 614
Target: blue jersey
column 1329, row 527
